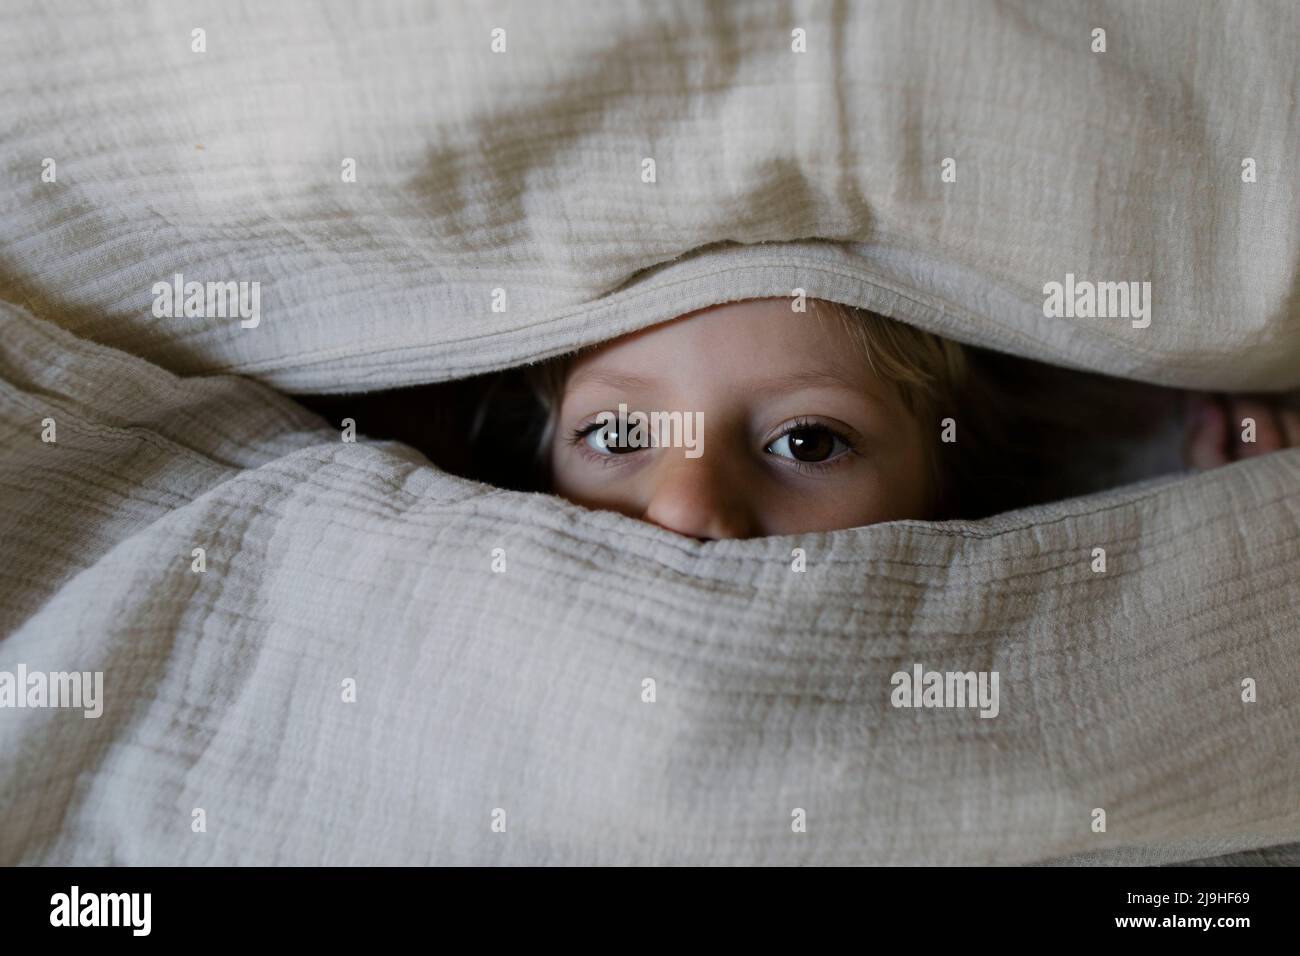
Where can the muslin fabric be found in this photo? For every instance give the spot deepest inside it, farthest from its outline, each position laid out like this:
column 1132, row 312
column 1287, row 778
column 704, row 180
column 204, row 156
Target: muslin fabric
column 524, row 171
column 383, row 663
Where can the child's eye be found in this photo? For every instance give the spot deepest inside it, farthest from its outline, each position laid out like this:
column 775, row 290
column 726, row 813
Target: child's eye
column 809, row 443
column 604, row 439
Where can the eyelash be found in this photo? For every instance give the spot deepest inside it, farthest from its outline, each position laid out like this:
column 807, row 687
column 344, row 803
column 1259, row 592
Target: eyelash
column 814, row 467
column 578, row 439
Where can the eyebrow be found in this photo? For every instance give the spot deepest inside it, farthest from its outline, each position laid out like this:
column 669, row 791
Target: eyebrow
column 816, row 378
column 615, row 380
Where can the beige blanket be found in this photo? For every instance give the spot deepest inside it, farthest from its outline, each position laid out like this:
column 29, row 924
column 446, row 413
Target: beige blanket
column 349, row 680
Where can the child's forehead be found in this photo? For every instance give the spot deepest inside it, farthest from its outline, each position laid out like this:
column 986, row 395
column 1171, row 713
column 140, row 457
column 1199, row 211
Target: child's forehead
column 759, row 347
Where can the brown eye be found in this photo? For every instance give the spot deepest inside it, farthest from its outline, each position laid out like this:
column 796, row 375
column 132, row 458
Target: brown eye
column 809, row 443
column 605, row 440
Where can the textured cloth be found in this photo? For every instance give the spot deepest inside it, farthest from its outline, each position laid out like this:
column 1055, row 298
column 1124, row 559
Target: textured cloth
column 521, row 690
column 523, row 171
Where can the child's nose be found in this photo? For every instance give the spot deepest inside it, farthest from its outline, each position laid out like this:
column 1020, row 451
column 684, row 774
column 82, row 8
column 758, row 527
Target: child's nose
column 699, row 498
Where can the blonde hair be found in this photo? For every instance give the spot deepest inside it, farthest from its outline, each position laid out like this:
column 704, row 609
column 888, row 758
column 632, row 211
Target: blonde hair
column 929, row 373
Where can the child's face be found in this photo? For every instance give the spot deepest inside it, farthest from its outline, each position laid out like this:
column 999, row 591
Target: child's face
column 799, row 434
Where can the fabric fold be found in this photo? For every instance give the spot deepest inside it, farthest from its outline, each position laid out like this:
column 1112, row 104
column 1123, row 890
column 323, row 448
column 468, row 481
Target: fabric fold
column 358, row 675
